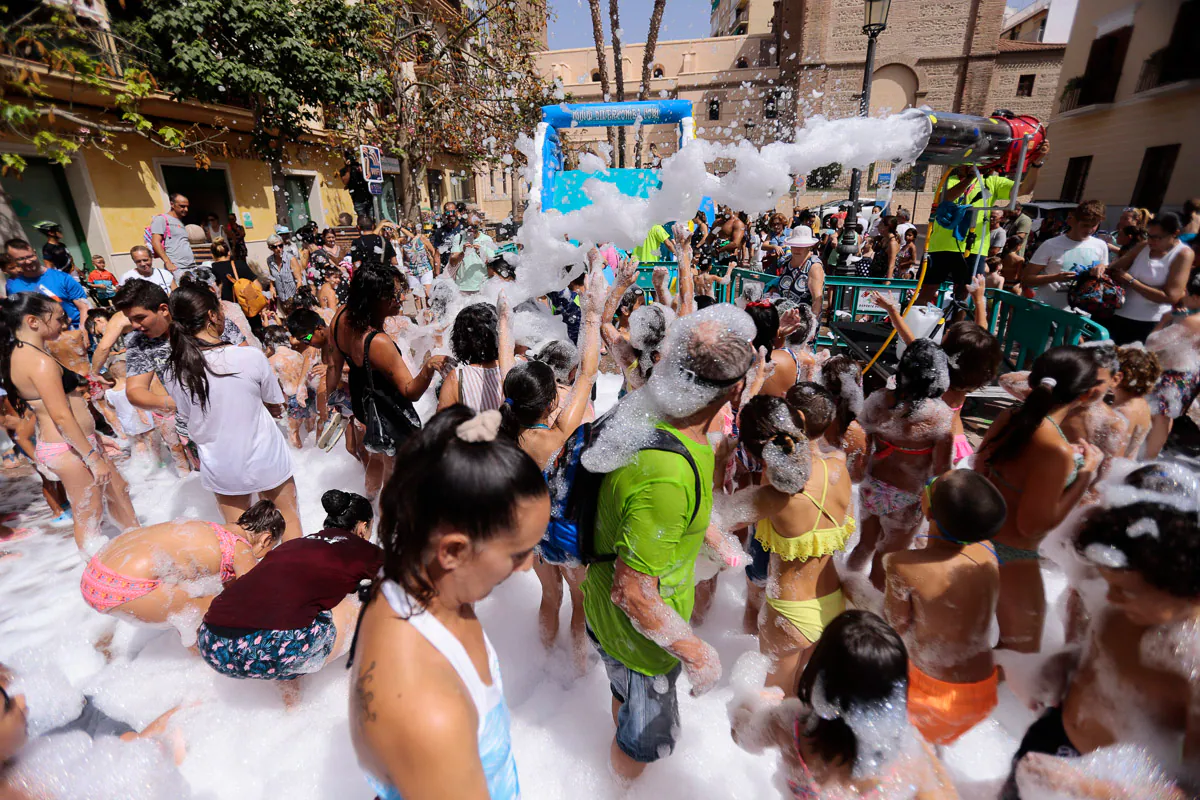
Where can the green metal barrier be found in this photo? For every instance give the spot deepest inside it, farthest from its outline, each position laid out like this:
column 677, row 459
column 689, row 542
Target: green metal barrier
column 846, row 294
column 1027, row 328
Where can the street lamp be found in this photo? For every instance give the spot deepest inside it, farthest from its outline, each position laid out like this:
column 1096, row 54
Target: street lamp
column 875, row 14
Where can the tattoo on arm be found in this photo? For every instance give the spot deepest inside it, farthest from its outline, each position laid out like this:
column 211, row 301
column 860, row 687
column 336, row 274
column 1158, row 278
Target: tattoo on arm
column 364, row 694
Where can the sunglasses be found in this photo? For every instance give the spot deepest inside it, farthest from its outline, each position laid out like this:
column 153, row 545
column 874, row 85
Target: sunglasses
column 275, row 246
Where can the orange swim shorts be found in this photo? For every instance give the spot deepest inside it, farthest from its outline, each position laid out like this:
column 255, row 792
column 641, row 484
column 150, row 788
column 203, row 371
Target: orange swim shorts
column 943, row 711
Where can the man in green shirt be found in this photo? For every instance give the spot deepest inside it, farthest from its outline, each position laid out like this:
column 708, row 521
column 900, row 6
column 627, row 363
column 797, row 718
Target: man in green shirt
column 651, row 516
column 961, row 260
column 649, row 249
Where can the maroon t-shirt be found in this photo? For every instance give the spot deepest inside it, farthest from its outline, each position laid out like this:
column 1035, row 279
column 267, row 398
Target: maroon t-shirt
column 296, row 581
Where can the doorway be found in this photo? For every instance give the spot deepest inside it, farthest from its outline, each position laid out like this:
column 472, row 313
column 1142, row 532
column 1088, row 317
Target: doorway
column 207, row 191
column 41, row 194
column 434, row 179
column 296, row 188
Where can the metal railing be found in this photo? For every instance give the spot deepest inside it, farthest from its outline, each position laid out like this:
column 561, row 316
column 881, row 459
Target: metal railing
column 1151, row 75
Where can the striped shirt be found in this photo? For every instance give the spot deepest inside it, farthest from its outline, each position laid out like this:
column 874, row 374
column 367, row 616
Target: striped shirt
column 479, row 387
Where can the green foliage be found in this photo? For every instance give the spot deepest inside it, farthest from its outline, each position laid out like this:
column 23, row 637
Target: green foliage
column 47, row 47
column 824, row 177
column 286, row 62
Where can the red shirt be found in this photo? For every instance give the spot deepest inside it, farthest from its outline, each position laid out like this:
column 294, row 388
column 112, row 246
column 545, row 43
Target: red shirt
column 101, row 275
column 296, row 581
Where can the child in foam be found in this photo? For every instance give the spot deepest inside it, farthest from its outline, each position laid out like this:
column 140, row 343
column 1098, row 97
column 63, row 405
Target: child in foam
column 911, row 441
column 804, row 512
column 153, row 573
column 1176, row 342
column 1137, row 680
column 843, row 378
column 540, row 423
column 1138, row 375
column 292, row 369
column 73, row 764
column 973, row 355
column 291, row 614
column 848, row 734
column 1042, row 477
column 463, row 512
column 941, row 600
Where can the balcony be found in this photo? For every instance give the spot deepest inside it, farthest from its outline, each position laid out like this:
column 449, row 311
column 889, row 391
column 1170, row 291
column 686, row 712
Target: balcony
column 1084, row 90
column 1165, row 67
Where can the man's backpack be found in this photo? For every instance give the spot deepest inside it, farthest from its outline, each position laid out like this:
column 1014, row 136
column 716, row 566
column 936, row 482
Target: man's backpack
column 574, row 492
column 248, row 294
column 149, row 236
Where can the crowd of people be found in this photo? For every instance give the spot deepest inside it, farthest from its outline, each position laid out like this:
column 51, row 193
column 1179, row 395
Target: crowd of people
column 880, row 546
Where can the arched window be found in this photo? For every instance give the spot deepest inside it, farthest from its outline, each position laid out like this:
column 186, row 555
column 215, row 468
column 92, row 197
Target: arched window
column 742, row 63
column 596, row 76
column 659, row 72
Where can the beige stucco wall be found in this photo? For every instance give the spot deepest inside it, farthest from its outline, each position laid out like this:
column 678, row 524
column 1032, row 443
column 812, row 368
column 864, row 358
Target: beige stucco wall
column 1116, row 135
column 1028, row 29
column 757, row 14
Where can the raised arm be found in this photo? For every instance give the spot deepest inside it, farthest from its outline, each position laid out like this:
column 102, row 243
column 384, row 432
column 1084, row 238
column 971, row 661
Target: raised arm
column 888, row 303
column 589, row 356
column 507, row 343
column 118, row 326
column 687, row 276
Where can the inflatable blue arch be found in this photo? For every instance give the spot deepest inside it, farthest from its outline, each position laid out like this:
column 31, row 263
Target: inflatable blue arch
column 561, row 189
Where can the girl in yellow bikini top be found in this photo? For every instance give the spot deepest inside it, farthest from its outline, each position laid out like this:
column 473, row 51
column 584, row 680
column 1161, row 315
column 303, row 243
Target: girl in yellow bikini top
column 816, row 542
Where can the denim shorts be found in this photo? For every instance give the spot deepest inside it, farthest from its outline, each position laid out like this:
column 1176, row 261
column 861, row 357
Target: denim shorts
column 648, row 722
column 760, row 560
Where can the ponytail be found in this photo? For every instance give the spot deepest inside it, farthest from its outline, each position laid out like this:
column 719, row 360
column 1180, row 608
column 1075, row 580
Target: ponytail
column 190, row 310
column 13, row 311
column 529, row 389
column 1060, row 376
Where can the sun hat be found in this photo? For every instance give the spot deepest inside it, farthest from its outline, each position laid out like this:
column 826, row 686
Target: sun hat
column 801, row 236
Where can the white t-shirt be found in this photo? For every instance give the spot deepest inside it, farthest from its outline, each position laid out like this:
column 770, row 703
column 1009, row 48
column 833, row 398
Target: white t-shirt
column 133, row 420
column 1063, row 254
column 241, row 448
column 159, row 275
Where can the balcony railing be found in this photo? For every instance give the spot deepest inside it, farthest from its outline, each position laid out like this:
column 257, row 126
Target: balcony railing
column 1070, row 97
column 1087, row 91
column 1152, row 69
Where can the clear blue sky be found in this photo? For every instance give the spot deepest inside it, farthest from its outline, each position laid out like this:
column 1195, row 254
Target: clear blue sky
column 571, row 21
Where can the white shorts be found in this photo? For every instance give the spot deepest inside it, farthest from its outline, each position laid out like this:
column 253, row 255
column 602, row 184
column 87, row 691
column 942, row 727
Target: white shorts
column 425, row 280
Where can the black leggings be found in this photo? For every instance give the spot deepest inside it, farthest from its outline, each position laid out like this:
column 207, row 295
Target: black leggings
column 1123, row 330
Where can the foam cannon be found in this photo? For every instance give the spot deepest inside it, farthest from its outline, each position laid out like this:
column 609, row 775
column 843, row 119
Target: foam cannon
column 1001, row 142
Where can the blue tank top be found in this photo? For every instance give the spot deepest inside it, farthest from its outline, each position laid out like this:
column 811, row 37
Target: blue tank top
column 494, row 736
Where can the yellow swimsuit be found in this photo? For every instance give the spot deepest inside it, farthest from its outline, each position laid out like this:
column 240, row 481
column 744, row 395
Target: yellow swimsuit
column 809, row 616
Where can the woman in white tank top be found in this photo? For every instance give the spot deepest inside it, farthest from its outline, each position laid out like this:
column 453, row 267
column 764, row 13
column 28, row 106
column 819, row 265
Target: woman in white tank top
column 1154, row 275
column 462, row 513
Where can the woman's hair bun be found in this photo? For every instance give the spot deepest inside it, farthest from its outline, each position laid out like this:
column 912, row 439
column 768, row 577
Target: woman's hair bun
column 336, row 502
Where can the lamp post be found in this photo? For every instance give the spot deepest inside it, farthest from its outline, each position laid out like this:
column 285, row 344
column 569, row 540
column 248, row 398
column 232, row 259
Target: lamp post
column 875, row 14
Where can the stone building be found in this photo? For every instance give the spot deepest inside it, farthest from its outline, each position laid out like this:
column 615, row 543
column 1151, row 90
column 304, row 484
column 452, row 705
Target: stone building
column 808, row 59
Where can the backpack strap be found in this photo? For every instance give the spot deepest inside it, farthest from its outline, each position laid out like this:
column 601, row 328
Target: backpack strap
column 670, row 444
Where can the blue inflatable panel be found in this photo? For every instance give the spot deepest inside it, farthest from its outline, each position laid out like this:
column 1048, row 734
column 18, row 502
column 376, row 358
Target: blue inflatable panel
column 568, row 186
